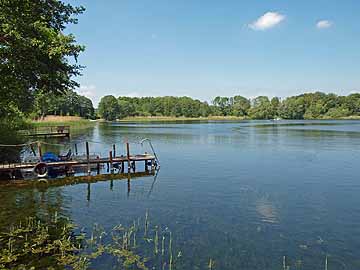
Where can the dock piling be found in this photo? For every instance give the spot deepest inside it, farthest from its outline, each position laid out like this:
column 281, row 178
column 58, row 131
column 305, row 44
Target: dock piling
column 98, row 167
column 111, row 161
column 128, row 155
column 88, row 158
column 39, row 149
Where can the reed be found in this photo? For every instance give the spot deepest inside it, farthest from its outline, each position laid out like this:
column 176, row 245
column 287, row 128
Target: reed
column 211, row 264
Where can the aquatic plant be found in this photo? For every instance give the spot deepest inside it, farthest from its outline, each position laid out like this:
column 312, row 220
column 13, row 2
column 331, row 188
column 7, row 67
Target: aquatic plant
column 59, row 244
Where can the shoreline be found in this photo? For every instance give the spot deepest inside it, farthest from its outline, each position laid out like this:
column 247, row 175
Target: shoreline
column 74, row 121
column 175, row 119
column 219, row 118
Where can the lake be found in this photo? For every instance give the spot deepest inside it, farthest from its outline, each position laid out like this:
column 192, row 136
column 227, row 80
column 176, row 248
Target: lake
column 244, row 194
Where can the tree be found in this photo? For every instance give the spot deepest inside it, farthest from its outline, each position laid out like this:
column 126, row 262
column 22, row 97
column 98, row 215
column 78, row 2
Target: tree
column 223, row 103
column 35, row 52
column 275, row 105
column 261, row 108
column 241, row 106
column 126, row 108
column 109, row 108
column 293, row 108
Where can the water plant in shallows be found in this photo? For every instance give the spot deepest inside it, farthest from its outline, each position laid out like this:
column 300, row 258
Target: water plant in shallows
column 59, row 244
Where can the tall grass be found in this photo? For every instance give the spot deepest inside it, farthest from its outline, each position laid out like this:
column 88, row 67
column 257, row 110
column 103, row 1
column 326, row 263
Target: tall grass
column 72, row 121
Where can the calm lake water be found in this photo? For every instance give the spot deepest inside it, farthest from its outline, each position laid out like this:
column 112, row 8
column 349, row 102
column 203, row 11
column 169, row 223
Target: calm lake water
column 244, row 194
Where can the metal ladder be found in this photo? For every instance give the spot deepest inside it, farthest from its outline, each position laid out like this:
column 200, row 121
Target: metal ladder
column 152, row 149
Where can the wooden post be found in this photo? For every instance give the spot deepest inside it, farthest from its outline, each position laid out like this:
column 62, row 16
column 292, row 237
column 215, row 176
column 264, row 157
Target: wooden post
column 134, row 165
column 128, row 184
column 88, row 158
column 114, row 151
column 122, row 166
column 76, row 150
column 128, row 155
column 39, row 149
column 98, row 166
column 88, row 192
column 111, row 161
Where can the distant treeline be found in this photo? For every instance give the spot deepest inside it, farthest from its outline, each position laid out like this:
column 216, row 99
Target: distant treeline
column 66, row 103
column 306, row 106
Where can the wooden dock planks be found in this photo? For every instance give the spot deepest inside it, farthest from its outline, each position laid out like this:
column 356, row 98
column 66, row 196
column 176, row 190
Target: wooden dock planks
column 121, row 159
column 48, row 131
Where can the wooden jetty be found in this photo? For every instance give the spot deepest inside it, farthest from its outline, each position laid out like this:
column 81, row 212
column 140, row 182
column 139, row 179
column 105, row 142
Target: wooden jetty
column 127, row 163
column 48, row 131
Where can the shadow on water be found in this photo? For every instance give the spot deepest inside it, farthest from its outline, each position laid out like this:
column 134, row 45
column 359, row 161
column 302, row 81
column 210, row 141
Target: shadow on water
column 34, row 198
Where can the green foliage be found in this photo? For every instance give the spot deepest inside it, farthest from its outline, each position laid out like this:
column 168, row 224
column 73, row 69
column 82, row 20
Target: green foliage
column 261, row 108
column 109, row 108
column 292, row 108
column 306, row 106
column 36, row 56
column 320, row 105
column 35, row 52
column 63, row 104
column 241, row 106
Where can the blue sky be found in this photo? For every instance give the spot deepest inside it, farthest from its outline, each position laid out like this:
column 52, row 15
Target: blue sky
column 207, row 48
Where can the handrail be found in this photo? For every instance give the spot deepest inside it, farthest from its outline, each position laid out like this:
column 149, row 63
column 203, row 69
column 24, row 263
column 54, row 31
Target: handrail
column 152, row 148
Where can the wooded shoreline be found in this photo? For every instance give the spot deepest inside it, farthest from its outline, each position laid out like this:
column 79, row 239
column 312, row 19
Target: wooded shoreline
column 86, row 122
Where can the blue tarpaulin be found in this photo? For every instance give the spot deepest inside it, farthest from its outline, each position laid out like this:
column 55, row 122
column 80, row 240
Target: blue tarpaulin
column 49, row 157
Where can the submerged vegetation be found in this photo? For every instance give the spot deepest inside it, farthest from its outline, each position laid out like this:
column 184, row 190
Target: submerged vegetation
column 58, row 244
column 54, row 242
column 306, row 106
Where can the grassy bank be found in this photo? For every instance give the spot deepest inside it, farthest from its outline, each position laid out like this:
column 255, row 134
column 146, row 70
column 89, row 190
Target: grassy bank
column 174, row 119
column 72, row 121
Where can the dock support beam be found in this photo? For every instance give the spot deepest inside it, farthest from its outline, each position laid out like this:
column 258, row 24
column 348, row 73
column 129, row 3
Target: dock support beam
column 88, row 158
column 111, row 162
column 128, row 155
column 98, row 167
column 39, row 149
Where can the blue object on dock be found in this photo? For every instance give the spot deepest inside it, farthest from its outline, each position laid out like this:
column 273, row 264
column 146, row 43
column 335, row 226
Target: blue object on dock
column 49, row 157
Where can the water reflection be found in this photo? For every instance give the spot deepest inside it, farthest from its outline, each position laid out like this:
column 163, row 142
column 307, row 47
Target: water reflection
column 266, row 210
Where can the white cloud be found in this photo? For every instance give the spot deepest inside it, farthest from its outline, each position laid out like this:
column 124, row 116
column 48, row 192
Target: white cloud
column 267, row 21
column 87, row 91
column 132, row 94
column 323, row 24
